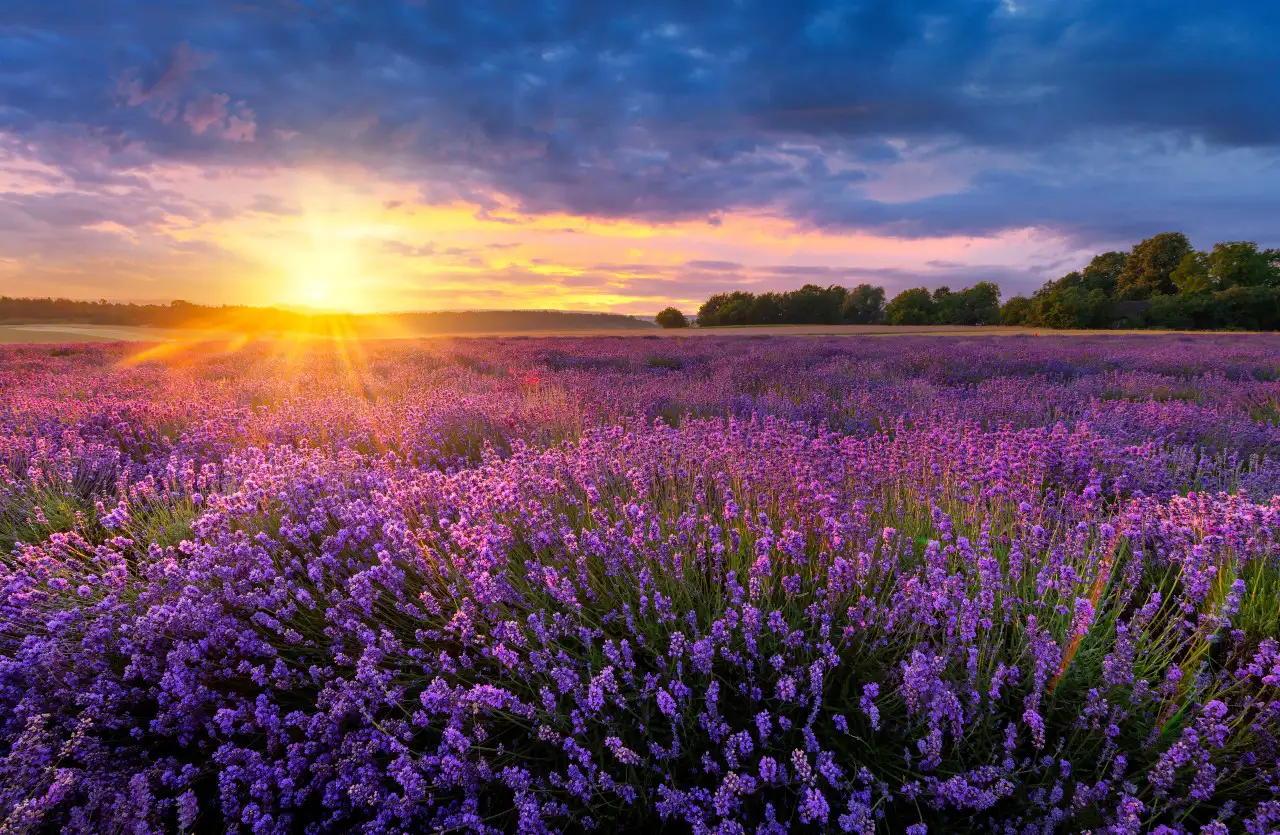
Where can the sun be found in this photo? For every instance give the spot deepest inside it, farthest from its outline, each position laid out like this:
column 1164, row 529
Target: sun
column 326, row 275
column 317, row 291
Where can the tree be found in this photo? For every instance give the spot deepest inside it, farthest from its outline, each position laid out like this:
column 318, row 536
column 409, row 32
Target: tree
column 813, row 305
column 1070, row 303
column 726, row 309
column 980, row 304
column 767, row 309
column 1248, row 308
column 672, row 318
column 945, row 309
column 1192, row 274
column 1015, row 311
column 1149, row 268
column 976, row 305
column 863, row 305
column 1104, row 271
column 1183, row 311
column 910, row 307
column 1160, row 282
column 809, row 305
column 1240, row 264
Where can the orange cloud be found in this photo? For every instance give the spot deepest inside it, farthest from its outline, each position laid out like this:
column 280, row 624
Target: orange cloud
column 335, row 237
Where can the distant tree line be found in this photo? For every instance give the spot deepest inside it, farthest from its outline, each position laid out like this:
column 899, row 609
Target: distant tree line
column 181, row 314
column 836, row 305
column 809, row 305
column 1162, row 282
column 175, row 314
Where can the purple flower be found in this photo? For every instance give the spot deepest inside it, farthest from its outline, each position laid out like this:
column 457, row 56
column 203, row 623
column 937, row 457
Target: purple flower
column 814, row 808
column 666, row 704
column 868, row 705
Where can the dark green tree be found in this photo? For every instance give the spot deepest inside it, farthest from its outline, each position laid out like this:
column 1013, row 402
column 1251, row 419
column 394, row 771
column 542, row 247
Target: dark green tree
column 1015, row 311
column 1070, row 303
column 768, row 309
column 976, row 305
column 863, row 305
column 1104, row 271
column 813, row 305
column 946, row 306
column 1248, row 308
column 980, row 304
column 1148, row 271
column 1240, row 264
column 670, row 317
column 726, row 309
column 1192, row 274
column 910, row 307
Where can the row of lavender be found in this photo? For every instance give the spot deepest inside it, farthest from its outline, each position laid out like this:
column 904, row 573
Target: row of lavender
column 903, row 585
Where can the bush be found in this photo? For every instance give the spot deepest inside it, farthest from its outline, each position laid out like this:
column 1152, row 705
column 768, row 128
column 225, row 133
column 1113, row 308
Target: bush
column 671, row 318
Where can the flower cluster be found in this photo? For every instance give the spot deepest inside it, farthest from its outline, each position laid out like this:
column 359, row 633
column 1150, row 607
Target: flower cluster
column 912, row 584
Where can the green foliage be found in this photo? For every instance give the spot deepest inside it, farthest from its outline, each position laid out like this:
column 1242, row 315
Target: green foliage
column 911, row 307
column 1015, row 311
column 1070, row 302
column 1249, row 308
column 1235, row 308
column 1161, row 283
column 767, row 309
column 1192, row 274
column 809, row 305
column 726, row 309
column 1185, row 311
column 671, row 318
column 813, row 305
column 1148, row 271
column 1240, row 264
column 864, row 305
column 976, row 305
column 1104, row 271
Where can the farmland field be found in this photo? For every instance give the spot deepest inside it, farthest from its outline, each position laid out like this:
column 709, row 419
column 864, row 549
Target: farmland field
column 60, row 333
column 912, row 585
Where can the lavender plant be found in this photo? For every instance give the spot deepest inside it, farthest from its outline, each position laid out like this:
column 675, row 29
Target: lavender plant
column 711, row 585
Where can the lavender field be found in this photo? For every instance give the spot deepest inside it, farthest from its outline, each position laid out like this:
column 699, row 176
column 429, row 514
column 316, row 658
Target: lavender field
column 911, row 585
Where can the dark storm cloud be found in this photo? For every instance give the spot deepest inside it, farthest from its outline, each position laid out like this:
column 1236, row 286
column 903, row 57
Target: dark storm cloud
column 677, row 109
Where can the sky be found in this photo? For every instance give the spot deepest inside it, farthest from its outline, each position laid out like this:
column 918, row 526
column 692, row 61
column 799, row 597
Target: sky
column 618, row 154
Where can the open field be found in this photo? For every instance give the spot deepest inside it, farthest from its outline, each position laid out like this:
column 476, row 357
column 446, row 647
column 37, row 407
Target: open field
column 709, row 584
column 72, row 333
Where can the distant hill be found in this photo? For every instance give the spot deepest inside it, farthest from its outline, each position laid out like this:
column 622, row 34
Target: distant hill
column 180, row 314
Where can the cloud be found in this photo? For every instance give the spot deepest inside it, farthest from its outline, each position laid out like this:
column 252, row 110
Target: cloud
column 211, row 113
column 162, row 96
column 408, row 250
column 271, row 204
column 172, row 96
column 1095, row 122
column 713, row 265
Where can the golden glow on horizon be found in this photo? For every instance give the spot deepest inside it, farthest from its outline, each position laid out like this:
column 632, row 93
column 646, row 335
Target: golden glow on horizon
column 323, row 277
column 340, row 238
column 292, row 346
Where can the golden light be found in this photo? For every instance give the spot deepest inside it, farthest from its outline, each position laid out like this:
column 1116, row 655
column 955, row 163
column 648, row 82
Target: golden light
column 325, row 272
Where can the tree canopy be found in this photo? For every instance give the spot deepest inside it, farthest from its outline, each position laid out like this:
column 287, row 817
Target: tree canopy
column 670, row 317
column 1161, row 283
